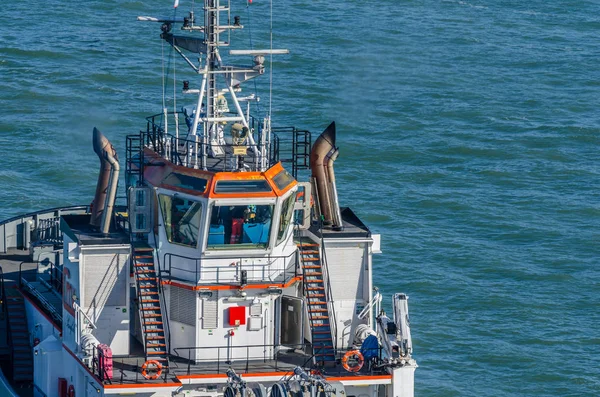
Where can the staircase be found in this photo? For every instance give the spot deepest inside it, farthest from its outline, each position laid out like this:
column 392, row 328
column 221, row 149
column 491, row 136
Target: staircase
column 316, row 300
column 148, row 295
column 22, row 369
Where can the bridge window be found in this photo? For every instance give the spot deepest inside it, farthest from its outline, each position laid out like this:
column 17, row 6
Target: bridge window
column 286, row 214
column 181, row 219
column 245, row 226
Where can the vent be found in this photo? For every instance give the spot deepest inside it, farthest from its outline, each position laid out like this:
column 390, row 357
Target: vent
column 106, row 281
column 183, row 306
column 256, row 310
column 210, row 315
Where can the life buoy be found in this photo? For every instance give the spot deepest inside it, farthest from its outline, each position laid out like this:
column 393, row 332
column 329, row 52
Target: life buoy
column 148, row 367
column 71, row 391
column 353, row 361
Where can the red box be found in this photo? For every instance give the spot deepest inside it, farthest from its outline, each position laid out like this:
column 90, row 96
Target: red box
column 237, row 315
column 62, row 387
column 106, row 361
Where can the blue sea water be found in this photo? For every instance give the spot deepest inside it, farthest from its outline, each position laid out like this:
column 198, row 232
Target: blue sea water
column 469, row 135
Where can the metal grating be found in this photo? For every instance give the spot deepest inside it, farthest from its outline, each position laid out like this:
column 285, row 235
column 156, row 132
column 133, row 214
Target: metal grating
column 210, row 315
column 106, row 278
column 183, row 306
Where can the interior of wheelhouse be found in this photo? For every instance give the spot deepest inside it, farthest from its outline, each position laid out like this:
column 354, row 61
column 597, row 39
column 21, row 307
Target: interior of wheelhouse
column 232, row 224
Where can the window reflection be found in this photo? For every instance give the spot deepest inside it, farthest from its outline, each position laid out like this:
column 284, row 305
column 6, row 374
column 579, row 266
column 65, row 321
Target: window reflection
column 246, row 226
column 286, row 215
column 181, row 219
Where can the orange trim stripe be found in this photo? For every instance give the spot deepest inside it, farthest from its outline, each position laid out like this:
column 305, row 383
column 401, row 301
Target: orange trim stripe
column 223, row 376
column 292, row 281
column 359, row 377
column 142, row 385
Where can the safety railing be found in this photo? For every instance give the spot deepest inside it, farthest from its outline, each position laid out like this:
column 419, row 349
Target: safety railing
column 244, row 270
column 328, row 293
column 275, row 357
column 194, row 150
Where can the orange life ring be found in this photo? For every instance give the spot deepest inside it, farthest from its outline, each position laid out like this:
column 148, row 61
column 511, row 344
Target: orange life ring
column 353, row 361
column 71, row 391
column 150, row 363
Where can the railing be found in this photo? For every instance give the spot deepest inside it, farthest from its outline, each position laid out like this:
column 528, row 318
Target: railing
column 274, row 269
column 329, row 295
column 3, row 307
column 41, row 299
column 272, row 356
column 56, row 277
column 163, row 303
column 12, row 230
column 79, row 310
column 48, row 231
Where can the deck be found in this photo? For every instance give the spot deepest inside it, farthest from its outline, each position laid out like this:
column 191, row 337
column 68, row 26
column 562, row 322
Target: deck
column 39, row 290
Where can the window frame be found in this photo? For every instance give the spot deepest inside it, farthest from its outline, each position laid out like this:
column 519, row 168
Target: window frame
column 235, row 248
column 195, row 199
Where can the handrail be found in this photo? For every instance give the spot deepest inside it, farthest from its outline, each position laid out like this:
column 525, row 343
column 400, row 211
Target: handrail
column 181, row 353
column 330, row 302
column 165, row 316
column 43, row 301
column 80, row 310
column 4, row 306
column 182, row 151
column 268, row 272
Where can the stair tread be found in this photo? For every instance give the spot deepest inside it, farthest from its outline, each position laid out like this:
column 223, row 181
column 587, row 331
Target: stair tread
column 311, row 266
column 300, row 245
column 313, row 274
column 309, row 252
column 317, row 310
column 150, row 300
column 151, row 308
column 154, row 337
column 156, row 345
column 153, row 331
column 315, row 288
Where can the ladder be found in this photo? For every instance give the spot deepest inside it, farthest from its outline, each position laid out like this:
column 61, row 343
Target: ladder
column 317, row 303
column 22, row 367
column 149, row 308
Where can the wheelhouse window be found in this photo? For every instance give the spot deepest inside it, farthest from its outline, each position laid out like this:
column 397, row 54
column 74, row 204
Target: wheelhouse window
column 181, row 219
column 286, row 215
column 245, row 226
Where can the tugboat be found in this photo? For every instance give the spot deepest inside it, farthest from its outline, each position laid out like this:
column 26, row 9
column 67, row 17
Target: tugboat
column 223, row 274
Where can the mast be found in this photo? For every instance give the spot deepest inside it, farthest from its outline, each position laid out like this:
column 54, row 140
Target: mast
column 218, row 135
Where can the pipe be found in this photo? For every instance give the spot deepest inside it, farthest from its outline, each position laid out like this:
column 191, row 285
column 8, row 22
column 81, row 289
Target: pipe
column 108, row 180
column 333, row 196
column 321, row 148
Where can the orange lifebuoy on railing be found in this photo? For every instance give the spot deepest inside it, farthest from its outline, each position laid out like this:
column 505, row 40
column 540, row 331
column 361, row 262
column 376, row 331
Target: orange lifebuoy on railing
column 71, row 391
column 353, row 361
column 148, row 366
